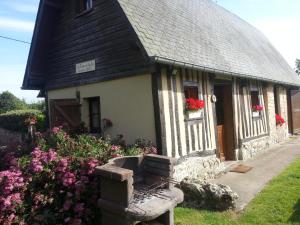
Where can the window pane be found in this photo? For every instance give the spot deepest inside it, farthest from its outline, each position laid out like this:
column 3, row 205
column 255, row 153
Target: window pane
column 254, row 98
column 95, row 107
column 96, row 121
column 191, row 92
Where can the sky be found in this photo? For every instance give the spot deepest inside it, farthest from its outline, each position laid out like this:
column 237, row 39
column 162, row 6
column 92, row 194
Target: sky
column 279, row 20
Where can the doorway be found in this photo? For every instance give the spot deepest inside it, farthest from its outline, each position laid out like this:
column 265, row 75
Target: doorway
column 225, row 125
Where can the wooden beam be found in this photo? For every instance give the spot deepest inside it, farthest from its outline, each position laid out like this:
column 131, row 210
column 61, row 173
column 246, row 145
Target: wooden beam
column 53, row 4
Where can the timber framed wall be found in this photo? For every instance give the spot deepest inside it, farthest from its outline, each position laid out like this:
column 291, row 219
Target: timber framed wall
column 179, row 136
column 248, row 127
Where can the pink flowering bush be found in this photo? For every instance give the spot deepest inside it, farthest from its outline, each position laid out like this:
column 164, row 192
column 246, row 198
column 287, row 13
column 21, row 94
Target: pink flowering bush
column 55, row 182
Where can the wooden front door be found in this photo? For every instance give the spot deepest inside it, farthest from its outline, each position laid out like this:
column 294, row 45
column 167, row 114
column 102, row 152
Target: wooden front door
column 221, row 142
column 65, row 112
column 224, row 115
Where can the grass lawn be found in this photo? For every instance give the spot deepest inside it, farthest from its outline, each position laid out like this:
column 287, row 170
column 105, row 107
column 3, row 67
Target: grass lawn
column 278, row 203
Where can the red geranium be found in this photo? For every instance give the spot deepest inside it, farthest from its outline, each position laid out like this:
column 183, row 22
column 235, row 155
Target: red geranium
column 257, row 108
column 279, row 120
column 194, row 104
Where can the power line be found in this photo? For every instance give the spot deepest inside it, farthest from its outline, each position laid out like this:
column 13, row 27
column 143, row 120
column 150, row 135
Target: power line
column 13, row 39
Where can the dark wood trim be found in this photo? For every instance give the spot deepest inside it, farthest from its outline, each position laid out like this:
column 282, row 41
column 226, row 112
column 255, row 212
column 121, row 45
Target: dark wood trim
column 177, row 122
column 212, row 78
column 53, row 5
column 266, row 99
column 186, row 126
column 290, row 112
column 171, row 104
column 158, row 110
column 83, row 13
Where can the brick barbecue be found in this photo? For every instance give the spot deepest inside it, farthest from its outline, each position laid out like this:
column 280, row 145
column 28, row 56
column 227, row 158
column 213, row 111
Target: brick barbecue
column 138, row 190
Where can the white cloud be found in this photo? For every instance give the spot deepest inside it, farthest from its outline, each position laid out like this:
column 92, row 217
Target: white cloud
column 284, row 35
column 15, row 24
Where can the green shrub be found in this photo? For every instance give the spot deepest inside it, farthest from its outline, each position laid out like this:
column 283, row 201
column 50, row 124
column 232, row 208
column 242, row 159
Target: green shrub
column 15, row 120
column 10, row 102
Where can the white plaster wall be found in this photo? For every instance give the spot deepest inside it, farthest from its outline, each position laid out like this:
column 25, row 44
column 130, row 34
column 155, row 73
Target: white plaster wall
column 127, row 102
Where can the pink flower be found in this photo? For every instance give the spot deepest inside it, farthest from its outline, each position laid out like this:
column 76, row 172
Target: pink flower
column 10, row 181
column 68, row 179
column 92, row 165
column 115, row 148
column 36, row 153
column 62, row 165
column 50, row 156
column 38, row 198
column 16, row 198
column 55, row 130
column 36, row 165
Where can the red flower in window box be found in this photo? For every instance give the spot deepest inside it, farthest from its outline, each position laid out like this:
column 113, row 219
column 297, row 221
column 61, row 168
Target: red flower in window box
column 194, row 104
column 257, row 108
column 279, row 120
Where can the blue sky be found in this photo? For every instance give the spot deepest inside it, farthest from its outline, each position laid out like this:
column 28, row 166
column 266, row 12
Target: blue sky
column 279, row 20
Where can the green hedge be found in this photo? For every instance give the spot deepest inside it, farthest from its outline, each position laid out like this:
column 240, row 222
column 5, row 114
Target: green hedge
column 15, row 120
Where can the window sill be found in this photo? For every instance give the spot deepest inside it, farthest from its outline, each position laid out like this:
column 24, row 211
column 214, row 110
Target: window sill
column 84, row 13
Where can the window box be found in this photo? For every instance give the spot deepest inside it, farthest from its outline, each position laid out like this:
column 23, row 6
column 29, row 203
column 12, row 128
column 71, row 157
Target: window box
column 255, row 114
column 192, row 115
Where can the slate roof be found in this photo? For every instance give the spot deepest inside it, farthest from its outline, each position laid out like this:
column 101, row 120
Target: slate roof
column 203, row 34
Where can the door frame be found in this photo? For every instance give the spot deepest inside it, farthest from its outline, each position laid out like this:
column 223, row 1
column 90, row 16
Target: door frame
column 229, row 151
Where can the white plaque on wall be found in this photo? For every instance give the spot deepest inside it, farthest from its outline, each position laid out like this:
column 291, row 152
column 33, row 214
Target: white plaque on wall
column 85, row 67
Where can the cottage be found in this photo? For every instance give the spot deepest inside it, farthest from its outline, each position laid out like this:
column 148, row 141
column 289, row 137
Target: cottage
column 195, row 79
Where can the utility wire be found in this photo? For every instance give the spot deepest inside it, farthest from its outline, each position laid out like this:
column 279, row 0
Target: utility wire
column 13, row 39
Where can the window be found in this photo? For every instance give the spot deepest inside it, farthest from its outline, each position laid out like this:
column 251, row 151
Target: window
column 255, row 102
column 193, row 103
column 83, row 5
column 191, row 91
column 254, row 98
column 94, row 114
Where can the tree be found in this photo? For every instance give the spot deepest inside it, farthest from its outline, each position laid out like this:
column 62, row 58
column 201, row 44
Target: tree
column 297, row 66
column 39, row 105
column 10, row 102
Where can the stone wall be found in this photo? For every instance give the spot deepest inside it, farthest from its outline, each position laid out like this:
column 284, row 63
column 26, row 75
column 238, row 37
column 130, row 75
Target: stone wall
column 198, row 167
column 9, row 137
column 251, row 148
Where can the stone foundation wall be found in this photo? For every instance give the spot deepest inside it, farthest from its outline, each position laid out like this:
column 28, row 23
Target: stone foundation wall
column 9, row 137
column 251, row 148
column 199, row 167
